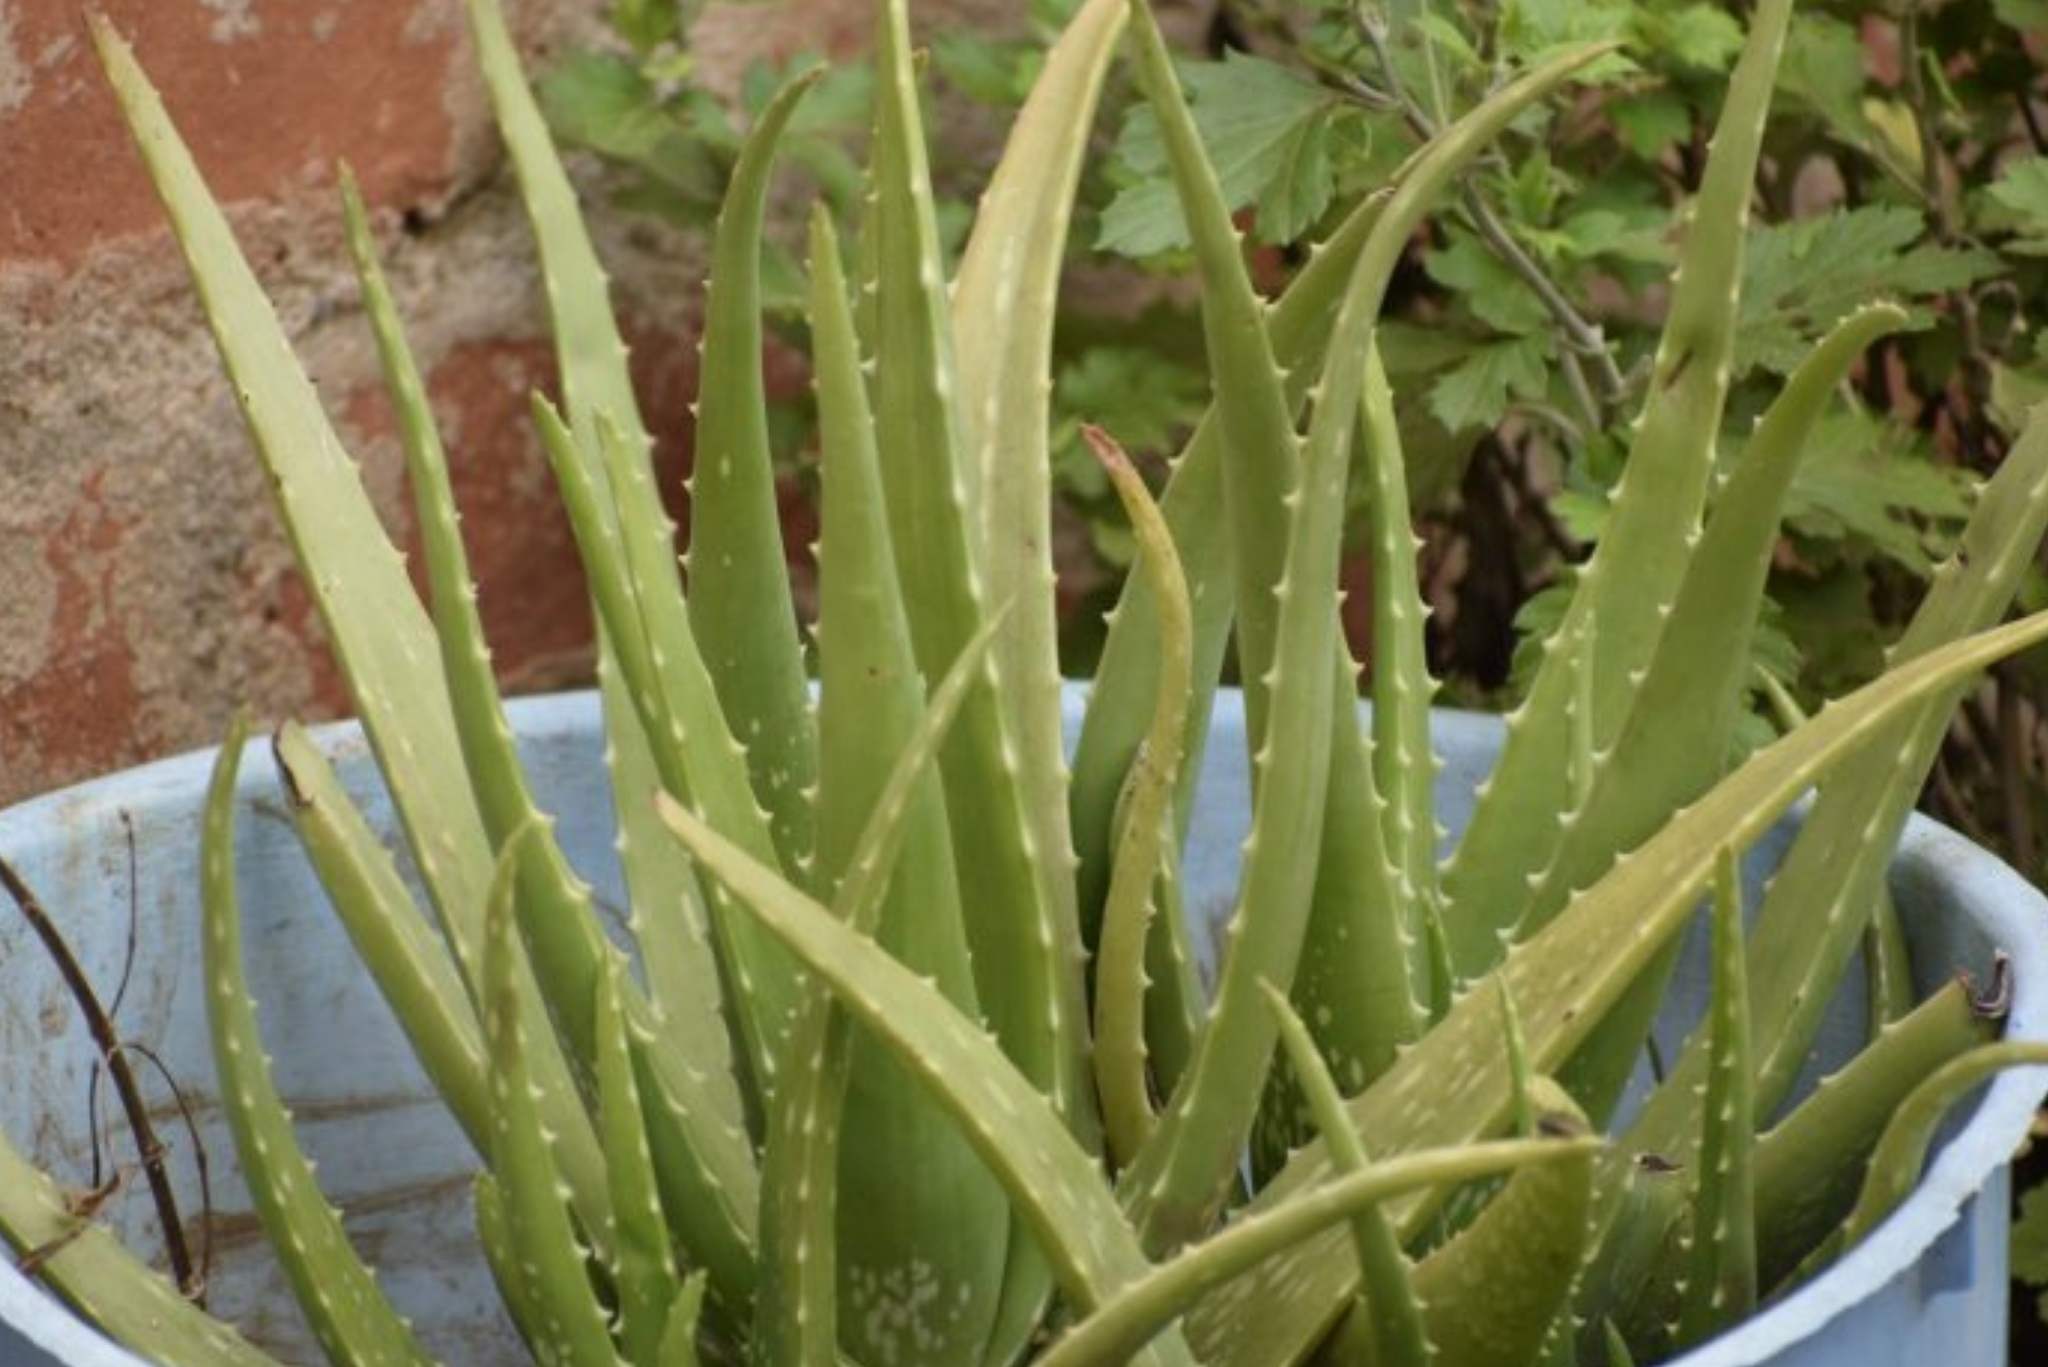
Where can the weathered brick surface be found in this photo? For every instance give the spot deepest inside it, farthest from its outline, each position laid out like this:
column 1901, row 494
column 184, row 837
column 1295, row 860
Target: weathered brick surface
column 145, row 586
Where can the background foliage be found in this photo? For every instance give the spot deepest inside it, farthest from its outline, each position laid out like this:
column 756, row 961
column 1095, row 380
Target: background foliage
column 1907, row 157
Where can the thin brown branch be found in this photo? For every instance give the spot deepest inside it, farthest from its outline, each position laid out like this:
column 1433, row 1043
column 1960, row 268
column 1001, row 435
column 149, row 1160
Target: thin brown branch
column 148, row 1147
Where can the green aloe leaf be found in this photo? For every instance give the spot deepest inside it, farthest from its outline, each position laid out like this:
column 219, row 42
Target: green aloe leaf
column 86, row 1265
column 1525, row 1249
column 642, row 1264
column 1720, row 1283
column 1388, row 1313
column 592, row 358
column 886, row 858
column 1127, row 1321
column 740, row 602
column 1120, row 977
column 1404, row 766
column 1054, row 1184
column 1004, row 299
column 1639, row 565
column 1901, row 1152
column 337, row 1293
column 1024, row 935
column 573, row 1327
column 412, row 968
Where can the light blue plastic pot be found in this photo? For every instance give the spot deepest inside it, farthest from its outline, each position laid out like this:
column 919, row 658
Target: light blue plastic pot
column 1930, row 1286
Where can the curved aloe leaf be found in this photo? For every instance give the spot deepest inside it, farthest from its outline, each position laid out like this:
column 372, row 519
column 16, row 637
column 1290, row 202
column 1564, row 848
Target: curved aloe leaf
column 1387, row 1303
column 1682, row 722
column 1404, row 766
column 572, row 1325
column 569, row 952
column 592, row 358
column 854, row 1118
column 1901, row 1151
column 1808, row 1169
column 1261, row 451
column 1124, row 1324
column 1127, row 919
column 339, row 1296
column 1814, row 911
column 1054, row 1184
column 1004, row 299
column 89, row 1268
column 1524, row 1249
column 740, row 603
column 1022, row 927
column 1637, row 568
column 1120, row 700
column 1720, row 1282
column 641, row 1263
column 412, row 968
column 1451, row 1087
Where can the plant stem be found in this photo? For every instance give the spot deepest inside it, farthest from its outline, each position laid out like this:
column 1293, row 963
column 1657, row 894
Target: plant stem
column 148, row 1146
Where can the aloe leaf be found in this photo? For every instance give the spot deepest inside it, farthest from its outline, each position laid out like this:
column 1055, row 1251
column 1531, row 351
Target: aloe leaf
column 642, row 1265
column 1639, row 564
column 1261, row 451
column 1901, row 1151
column 679, row 1341
column 1404, row 766
column 1683, row 717
column 381, row 637
column 1618, row 1354
column 857, row 1120
column 555, row 909
column 1354, row 910
column 556, row 903
column 664, row 680
column 1678, row 730
column 88, row 1267
column 1181, row 1175
column 1054, row 1184
column 592, row 358
column 740, row 602
column 1120, row 698
column 1022, row 929
column 525, row 1312
column 1450, row 1087
column 1720, row 1282
column 337, row 1293
column 802, row 1177
column 1005, row 296
column 412, row 968
column 1128, row 1320
column 573, row 1325
column 1126, row 924
column 1387, row 1301
column 679, row 966
column 1524, row 1248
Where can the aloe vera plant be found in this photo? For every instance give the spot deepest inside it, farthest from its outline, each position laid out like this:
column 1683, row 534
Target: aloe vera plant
column 885, row 942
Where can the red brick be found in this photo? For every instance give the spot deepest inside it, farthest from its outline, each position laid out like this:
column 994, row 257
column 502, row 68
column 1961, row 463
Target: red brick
column 269, row 93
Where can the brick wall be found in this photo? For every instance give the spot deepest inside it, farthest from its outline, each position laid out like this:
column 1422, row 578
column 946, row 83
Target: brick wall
column 145, row 588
